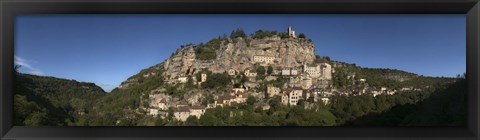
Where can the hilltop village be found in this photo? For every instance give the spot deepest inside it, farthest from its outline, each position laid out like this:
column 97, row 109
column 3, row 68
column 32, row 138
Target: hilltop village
column 276, row 66
column 266, row 78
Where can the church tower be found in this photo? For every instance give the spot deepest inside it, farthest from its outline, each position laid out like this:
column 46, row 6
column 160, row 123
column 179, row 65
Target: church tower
column 291, row 32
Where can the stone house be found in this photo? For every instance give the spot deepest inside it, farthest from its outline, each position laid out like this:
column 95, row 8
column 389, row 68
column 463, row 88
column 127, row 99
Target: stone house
column 203, row 77
column 181, row 113
column 293, row 95
column 153, row 112
column 249, row 85
column 307, row 82
column 325, row 71
column 239, row 98
column 182, row 79
column 162, row 105
column 235, row 90
column 284, row 98
column 263, row 59
column 313, row 70
column 272, row 90
column 224, row 100
column 182, row 103
column 197, row 111
column 289, row 72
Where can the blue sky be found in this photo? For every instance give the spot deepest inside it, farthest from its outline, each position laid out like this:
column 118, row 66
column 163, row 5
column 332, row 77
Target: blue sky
column 107, row 49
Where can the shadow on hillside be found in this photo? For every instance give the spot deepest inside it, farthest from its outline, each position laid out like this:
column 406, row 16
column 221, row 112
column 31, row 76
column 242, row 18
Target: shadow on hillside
column 446, row 107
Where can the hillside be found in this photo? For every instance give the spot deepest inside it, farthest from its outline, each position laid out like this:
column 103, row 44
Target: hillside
column 41, row 100
column 267, row 78
column 239, row 71
column 447, row 106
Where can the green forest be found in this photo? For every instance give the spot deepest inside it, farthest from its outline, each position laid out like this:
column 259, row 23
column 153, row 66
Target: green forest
column 52, row 101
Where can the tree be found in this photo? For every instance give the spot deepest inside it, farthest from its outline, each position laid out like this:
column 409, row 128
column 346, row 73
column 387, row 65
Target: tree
column 251, row 100
column 189, row 84
column 238, row 33
column 269, row 70
column 17, row 67
column 192, row 121
column 327, row 58
column 208, row 99
column 302, row 35
column 217, row 80
column 261, row 70
column 262, row 34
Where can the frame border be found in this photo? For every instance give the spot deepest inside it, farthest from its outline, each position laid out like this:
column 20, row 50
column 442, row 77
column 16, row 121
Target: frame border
column 9, row 8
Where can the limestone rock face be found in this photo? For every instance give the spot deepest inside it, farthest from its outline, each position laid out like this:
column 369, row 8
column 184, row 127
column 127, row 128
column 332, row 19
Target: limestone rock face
column 238, row 54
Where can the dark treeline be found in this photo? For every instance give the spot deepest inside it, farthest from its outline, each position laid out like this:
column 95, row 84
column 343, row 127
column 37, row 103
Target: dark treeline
column 52, row 101
column 445, row 107
column 40, row 100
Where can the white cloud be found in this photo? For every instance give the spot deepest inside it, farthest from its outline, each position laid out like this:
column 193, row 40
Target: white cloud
column 26, row 64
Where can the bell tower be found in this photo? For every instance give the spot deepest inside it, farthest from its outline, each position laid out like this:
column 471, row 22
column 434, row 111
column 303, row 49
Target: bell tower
column 291, row 32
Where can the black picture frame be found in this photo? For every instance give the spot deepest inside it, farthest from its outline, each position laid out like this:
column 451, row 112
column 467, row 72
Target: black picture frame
column 9, row 8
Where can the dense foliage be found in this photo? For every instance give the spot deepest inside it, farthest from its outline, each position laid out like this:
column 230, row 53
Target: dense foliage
column 217, row 81
column 41, row 100
column 260, row 34
column 378, row 77
column 446, row 107
column 238, row 33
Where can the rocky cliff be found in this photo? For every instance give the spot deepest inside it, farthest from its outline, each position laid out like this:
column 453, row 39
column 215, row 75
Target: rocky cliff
column 238, row 54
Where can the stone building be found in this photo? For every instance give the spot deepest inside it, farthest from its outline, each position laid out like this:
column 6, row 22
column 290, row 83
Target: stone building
column 181, row 113
column 289, row 72
column 162, row 105
column 307, row 82
column 292, row 95
column 182, row 79
column 272, row 90
column 250, row 73
column 153, row 112
column 263, row 59
column 197, row 111
column 291, row 32
column 204, row 77
column 313, row 70
column 326, row 71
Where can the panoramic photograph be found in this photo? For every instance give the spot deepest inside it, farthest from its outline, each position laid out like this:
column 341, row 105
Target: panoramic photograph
column 240, row 70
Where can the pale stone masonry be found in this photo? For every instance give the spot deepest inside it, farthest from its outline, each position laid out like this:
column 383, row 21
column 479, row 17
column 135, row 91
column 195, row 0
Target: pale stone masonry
column 326, row 71
column 197, row 111
column 291, row 32
column 272, row 91
column 181, row 113
column 263, row 59
column 231, row 72
column 204, row 77
column 289, row 72
column 182, row 79
column 292, row 95
column 250, row 73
